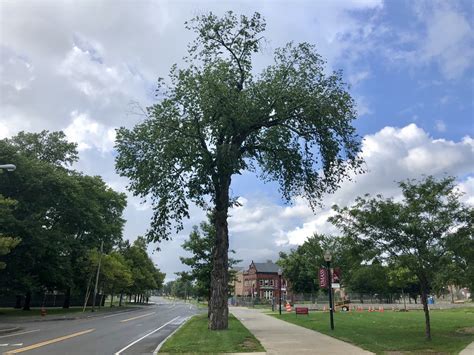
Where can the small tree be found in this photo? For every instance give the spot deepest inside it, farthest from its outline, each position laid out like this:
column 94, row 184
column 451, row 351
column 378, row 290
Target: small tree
column 291, row 124
column 416, row 233
column 200, row 244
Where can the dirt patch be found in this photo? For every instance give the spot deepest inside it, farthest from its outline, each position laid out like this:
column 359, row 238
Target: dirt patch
column 467, row 330
column 249, row 344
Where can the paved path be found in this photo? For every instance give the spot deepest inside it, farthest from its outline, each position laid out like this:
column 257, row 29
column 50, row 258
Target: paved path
column 280, row 337
column 469, row 350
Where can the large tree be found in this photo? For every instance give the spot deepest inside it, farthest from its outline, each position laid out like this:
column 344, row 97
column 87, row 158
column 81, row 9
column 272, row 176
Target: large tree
column 216, row 118
column 422, row 232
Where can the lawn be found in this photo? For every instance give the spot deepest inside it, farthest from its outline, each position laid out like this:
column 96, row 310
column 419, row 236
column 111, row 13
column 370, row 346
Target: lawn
column 194, row 337
column 451, row 330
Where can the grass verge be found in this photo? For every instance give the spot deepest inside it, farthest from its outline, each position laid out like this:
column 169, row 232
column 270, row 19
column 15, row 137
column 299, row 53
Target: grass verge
column 194, row 337
column 451, row 330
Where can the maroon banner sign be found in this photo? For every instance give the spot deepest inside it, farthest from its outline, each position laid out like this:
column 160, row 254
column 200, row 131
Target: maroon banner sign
column 323, row 278
column 336, row 275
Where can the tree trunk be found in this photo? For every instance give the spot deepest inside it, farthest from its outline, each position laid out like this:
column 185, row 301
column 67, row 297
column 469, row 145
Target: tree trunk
column 219, row 310
column 18, row 301
column 424, row 300
column 26, row 306
column 120, row 299
column 111, row 300
column 67, row 298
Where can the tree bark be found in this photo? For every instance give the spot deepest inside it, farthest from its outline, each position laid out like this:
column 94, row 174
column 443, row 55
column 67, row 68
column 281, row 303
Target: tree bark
column 218, row 308
column 424, row 300
column 111, row 300
column 120, row 300
column 18, row 301
column 67, row 298
column 26, row 306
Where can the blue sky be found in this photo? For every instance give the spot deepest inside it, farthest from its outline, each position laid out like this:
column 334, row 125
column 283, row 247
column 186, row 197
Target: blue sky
column 82, row 67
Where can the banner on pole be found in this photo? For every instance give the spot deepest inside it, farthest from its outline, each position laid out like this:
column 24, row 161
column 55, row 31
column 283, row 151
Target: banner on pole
column 323, row 277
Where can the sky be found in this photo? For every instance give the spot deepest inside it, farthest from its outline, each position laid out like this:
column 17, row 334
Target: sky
column 88, row 67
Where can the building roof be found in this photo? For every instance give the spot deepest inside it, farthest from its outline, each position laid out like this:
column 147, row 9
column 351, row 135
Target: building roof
column 268, row 267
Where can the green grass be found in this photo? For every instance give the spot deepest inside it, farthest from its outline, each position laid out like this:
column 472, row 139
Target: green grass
column 395, row 331
column 194, row 337
column 56, row 311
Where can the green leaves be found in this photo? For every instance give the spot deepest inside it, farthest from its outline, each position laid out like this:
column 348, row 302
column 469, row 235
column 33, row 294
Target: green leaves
column 422, row 232
column 216, row 119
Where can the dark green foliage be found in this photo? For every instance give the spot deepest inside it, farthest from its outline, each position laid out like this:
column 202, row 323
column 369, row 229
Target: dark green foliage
column 200, row 244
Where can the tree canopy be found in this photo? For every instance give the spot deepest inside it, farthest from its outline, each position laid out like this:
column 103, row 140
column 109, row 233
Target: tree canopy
column 53, row 217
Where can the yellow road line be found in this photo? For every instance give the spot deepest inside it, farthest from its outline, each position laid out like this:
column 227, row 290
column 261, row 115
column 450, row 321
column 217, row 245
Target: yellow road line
column 144, row 315
column 47, row 342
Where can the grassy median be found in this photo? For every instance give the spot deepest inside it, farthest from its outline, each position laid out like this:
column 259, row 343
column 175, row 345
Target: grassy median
column 194, row 337
column 452, row 330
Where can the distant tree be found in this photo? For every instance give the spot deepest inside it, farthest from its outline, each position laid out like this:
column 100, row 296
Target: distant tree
column 300, row 264
column 116, row 274
column 145, row 276
column 417, row 232
column 371, row 280
column 7, row 218
column 50, row 147
column 291, row 124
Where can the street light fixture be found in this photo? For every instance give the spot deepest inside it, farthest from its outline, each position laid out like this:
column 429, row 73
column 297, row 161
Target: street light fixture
column 8, row 167
column 327, row 258
column 279, row 286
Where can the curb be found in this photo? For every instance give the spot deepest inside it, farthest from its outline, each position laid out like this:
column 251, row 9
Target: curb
column 157, row 349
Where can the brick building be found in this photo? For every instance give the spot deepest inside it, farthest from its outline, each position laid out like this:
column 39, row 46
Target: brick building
column 260, row 280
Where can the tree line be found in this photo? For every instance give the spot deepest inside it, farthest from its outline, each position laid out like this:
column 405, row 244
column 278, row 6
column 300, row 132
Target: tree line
column 419, row 244
column 53, row 221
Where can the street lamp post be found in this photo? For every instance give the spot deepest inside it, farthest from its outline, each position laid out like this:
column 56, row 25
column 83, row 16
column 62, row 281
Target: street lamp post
column 279, row 287
column 327, row 258
column 8, row 167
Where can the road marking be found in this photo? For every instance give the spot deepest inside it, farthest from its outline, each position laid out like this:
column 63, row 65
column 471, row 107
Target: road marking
column 12, row 335
column 17, row 344
column 115, row 314
column 47, row 342
column 137, row 317
column 143, row 337
column 169, row 336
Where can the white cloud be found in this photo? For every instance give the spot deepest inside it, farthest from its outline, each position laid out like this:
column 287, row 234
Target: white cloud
column 88, row 133
column 449, row 40
column 358, row 77
column 446, row 39
column 440, row 126
column 391, row 155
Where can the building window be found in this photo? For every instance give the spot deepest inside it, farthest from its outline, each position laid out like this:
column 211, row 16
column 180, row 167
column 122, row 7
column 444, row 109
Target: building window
column 272, row 283
column 261, row 282
column 266, row 282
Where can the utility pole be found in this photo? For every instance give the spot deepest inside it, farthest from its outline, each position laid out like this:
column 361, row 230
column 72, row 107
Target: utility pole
column 97, row 275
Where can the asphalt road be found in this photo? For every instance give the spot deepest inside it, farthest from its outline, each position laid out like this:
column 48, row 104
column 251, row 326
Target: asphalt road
column 136, row 332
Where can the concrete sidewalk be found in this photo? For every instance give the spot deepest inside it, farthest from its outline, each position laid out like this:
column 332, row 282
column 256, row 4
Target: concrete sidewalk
column 280, row 337
column 469, row 350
